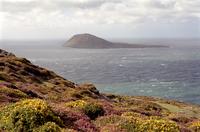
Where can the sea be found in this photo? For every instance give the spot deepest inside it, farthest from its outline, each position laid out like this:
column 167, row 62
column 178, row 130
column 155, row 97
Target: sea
column 172, row 73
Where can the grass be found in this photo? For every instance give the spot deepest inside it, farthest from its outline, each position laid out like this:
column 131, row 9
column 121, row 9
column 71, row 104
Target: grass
column 12, row 92
column 188, row 111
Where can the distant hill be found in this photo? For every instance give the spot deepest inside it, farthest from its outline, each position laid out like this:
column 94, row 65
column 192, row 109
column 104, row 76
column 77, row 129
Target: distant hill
column 89, row 41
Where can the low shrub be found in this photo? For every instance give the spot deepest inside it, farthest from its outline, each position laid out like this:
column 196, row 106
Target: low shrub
column 181, row 119
column 4, row 76
column 109, row 120
column 68, row 130
column 85, row 125
column 127, row 122
column 159, row 125
column 48, row 127
column 131, row 124
column 90, row 109
column 151, row 125
column 76, row 104
column 111, row 128
column 195, row 126
column 26, row 115
column 12, row 92
column 118, row 123
column 93, row 110
column 131, row 114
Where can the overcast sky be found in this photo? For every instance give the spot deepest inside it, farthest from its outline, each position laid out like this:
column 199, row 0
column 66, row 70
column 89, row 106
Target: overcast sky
column 55, row 19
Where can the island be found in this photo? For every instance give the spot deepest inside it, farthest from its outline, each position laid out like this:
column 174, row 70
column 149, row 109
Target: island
column 88, row 41
column 34, row 99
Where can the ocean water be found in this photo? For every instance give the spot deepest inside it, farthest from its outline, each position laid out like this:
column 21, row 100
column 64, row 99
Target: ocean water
column 172, row 73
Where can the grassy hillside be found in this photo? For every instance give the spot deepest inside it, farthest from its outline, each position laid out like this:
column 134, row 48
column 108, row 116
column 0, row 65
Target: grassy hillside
column 34, row 99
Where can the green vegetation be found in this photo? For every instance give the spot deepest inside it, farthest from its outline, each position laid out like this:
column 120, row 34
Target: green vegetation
column 12, row 92
column 108, row 120
column 48, row 127
column 195, row 126
column 93, row 110
column 76, row 104
column 33, row 99
column 155, row 125
column 135, row 124
column 27, row 115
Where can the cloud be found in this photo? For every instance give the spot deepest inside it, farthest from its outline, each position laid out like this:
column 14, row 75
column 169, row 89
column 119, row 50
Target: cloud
column 85, row 4
column 70, row 14
column 17, row 6
column 97, row 10
column 165, row 4
column 23, row 5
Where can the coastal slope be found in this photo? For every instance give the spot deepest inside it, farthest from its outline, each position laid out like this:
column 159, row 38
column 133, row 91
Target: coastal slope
column 89, row 41
column 35, row 99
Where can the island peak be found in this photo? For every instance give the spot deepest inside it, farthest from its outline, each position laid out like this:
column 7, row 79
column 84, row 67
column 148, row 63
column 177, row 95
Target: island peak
column 89, row 41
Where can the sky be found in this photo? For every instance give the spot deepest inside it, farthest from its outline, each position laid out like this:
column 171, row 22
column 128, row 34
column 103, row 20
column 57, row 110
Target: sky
column 60, row 19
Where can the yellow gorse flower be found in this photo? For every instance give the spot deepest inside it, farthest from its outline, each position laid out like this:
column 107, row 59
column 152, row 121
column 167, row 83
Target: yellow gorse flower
column 195, row 126
column 77, row 103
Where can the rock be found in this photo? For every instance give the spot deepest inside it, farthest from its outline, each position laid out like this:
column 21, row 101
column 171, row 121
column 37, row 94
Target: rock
column 5, row 53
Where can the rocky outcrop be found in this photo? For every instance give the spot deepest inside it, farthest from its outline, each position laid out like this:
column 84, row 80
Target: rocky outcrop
column 5, row 53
